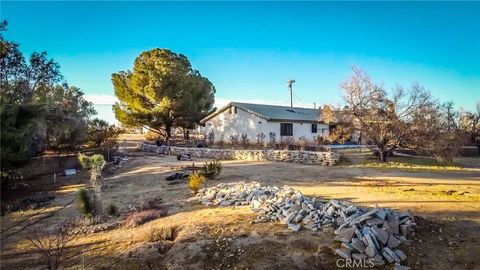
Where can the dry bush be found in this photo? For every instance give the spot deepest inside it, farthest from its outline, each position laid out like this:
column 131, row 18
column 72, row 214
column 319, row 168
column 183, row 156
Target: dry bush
column 302, row 142
column 163, row 233
column 244, row 140
column 286, row 142
column 154, row 203
column 138, row 218
column 195, row 182
column 52, row 246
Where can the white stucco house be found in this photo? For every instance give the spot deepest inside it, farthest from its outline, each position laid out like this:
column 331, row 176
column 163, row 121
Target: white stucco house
column 254, row 119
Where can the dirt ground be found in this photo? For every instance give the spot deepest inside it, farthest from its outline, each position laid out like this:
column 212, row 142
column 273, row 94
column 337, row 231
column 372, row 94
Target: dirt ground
column 447, row 206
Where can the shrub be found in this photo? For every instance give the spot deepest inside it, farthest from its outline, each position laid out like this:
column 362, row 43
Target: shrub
column 234, row 139
column 163, row 233
column 211, row 169
column 111, row 210
column 52, row 245
column 260, row 139
column 302, row 142
column 245, row 139
column 84, row 203
column 195, row 182
column 141, row 217
column 286, row 142
column 211, row 137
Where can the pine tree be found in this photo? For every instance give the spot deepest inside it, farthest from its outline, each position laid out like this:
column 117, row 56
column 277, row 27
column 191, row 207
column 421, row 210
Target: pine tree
column 161, row 92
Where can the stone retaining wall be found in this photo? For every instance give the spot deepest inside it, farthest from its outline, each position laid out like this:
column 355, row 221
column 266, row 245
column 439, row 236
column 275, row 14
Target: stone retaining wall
column 302, row 157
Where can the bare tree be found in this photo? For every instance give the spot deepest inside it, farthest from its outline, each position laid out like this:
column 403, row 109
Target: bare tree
column 383, row 118
column 471, row 125
column 52, row 246
column 436, row 130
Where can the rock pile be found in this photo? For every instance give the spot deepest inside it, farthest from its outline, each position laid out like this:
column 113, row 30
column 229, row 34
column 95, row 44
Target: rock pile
column 366, row 234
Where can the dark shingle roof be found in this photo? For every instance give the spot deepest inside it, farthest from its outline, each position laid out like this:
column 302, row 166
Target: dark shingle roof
column 273, row 112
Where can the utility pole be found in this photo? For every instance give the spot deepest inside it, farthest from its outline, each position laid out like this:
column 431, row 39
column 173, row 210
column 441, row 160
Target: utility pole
column 290, row 84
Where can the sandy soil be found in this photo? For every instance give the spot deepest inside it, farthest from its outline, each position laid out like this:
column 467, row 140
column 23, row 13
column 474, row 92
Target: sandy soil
column 447, row 205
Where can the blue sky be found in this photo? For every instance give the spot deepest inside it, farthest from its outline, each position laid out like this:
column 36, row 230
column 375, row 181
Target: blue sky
column 250, row 49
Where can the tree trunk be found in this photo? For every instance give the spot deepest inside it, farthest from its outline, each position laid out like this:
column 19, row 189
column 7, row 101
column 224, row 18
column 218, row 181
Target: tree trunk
column 383, row 155
column 96, row 180
column 168, row 130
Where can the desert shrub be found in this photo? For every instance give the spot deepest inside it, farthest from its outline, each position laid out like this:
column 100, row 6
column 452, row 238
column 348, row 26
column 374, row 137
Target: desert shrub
column 52, row 245
column 273, row 139
column 211, row 169
column 84, row 203
column 111, row 210
column 141, row 217
column 319, row 140
column 154, row 203
column 234, row 139
column 245, row 140
column 286, row 142
column 302, row 142
column 163, row 233
column 340, row 134
column 260, row 139
column 195, row 182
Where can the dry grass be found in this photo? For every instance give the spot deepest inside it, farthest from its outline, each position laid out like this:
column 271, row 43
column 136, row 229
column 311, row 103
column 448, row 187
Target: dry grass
column 412, row 164
column 162, row 233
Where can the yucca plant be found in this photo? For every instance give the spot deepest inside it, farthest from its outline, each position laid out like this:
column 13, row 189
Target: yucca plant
column 211, row 169
column 95, row 164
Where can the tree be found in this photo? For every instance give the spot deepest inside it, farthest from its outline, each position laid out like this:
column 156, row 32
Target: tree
column 382, row 118
column 66, row 121
column 101, row 134
column 95, row 164
column 470, row 123
column 327, row 114
column 35, row 109
column 22, row 115
column 162, row 91
column 436, row 130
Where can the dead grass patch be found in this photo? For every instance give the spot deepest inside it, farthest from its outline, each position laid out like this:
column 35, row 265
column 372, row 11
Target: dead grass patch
column 162, row 233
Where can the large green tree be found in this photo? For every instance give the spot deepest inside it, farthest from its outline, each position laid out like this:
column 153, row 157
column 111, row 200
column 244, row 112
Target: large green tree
column 161, row 92
column 35, row 110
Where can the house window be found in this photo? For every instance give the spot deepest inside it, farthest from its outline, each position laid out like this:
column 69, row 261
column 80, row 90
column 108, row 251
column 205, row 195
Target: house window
column 233, row 110
column 314, row 128
column 286, row 129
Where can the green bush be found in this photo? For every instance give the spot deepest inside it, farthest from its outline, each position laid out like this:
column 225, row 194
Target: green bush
column 111, row 210
column 84, row 203
column 211, row 169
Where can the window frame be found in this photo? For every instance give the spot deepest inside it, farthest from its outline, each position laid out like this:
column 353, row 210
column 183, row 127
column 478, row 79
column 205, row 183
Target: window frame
column 314, row 128
column 284, row 130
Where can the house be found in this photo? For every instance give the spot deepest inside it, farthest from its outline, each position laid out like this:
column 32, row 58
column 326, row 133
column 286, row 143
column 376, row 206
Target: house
column 274, row 122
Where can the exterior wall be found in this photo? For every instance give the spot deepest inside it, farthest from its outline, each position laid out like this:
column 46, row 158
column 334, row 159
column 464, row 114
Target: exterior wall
column 243, row 122
column 302, row 157
column 299, row 130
